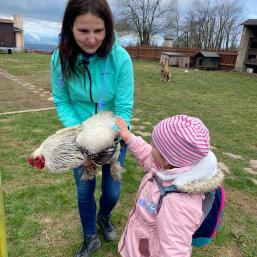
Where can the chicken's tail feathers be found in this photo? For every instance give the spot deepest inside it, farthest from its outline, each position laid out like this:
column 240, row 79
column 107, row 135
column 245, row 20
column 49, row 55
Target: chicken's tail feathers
column 88, row 174
column 116, row 171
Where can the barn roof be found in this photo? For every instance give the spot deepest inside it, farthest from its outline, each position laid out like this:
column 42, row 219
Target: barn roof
column 250, row 22
column 16, row 29
column 172, row 54
column 168, row 38
column 6, row 21
column 208, row 54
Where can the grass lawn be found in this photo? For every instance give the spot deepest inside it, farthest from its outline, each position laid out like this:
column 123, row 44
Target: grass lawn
column 41, row 210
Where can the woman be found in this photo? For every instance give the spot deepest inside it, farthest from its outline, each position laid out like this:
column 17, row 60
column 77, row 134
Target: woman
column 90, row 72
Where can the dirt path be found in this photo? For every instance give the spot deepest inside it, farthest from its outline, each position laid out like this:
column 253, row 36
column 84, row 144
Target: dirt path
column 16, row 94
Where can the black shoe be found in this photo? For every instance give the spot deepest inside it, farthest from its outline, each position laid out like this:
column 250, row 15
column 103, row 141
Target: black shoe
column 107, row 228
column 89, row 245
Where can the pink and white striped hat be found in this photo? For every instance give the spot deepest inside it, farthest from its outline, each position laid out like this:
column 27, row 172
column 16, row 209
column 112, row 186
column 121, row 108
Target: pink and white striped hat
column 182, row 140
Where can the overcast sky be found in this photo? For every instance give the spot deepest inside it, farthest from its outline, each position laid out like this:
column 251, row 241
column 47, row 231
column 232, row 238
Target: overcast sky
column 42, row 18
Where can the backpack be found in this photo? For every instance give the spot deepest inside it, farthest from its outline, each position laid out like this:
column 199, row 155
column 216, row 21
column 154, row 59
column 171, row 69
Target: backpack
column 213, row 208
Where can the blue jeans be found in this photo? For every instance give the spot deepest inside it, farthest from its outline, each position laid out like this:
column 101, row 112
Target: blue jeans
column 86, row 199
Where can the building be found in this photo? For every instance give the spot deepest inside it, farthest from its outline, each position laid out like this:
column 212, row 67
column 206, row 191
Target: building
column 168, row 41
column 207, row 60
column 171, row 57
column 11, row 34
column 247, row 55
column 185, row 62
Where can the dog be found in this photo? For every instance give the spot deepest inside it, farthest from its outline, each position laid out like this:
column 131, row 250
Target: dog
column 165, row 71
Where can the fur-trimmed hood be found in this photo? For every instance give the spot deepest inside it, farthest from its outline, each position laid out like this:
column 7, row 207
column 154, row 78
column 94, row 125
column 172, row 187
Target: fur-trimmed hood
column 199, row 178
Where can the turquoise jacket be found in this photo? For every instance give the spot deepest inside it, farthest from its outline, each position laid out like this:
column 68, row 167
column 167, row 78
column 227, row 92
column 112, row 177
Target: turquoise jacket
column 105, row 83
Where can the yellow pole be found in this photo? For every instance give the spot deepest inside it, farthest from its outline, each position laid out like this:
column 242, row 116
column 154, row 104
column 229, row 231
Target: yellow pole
column 3, row 245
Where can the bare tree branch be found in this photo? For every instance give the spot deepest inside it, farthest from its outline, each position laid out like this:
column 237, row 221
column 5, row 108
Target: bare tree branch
column 144, row 18
column 213, row 23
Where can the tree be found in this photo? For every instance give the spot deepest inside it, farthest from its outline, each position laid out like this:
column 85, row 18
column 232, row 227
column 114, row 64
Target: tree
column 144, row 18
column 229, row 13
column 213, row 24
column 180, row 36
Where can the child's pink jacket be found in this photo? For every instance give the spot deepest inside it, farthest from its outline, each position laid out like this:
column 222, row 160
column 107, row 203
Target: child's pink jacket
column 168, row 233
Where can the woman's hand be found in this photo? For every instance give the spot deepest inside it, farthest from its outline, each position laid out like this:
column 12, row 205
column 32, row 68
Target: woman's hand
column 123, row 132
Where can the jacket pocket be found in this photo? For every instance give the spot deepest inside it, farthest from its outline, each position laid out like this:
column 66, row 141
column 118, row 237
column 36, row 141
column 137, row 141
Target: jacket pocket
column 144, row 247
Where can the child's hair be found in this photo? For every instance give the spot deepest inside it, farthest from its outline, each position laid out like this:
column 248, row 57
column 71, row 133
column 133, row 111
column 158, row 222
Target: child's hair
column 182, row 140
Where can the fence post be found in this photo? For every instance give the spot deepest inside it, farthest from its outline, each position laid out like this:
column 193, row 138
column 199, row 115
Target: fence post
column 3, row 245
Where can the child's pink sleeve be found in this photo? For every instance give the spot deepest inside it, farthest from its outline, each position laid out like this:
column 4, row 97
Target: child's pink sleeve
column 141, row 150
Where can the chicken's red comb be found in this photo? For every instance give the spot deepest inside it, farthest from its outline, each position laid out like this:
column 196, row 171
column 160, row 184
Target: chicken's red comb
column 39, row 162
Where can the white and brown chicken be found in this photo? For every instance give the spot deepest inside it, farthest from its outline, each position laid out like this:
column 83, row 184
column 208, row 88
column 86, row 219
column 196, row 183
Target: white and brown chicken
column 71, row 147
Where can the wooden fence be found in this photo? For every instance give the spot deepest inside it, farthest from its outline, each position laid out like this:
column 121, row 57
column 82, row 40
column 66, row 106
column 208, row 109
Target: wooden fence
column 227, row 60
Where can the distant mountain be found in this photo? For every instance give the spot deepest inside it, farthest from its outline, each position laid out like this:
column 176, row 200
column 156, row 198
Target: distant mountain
column 39, row 42
column 40, row 47
column 43, row 43
column 31, row 38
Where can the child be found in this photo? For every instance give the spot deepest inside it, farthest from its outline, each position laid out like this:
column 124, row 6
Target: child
column 178, row 155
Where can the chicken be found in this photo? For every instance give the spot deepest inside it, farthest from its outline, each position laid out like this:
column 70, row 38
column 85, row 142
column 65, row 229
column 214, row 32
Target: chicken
column 70, row 147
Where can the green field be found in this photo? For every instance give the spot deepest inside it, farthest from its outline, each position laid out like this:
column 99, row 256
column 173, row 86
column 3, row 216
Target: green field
column 41, row 210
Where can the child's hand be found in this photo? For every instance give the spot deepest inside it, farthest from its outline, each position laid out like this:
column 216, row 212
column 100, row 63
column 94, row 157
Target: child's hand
column 123, row 132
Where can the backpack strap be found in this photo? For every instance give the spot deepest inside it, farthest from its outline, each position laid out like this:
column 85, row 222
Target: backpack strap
column 208, row 202
column 163, row 191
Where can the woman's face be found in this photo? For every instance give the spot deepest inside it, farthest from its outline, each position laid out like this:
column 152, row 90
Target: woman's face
column 89, row 32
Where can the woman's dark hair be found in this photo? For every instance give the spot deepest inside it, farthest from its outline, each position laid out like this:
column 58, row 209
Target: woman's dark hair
column 68, row 48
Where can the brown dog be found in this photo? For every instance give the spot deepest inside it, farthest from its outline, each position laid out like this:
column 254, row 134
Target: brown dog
column 165, row 71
